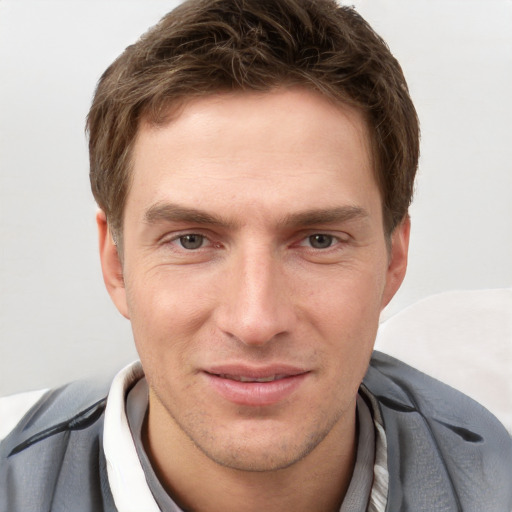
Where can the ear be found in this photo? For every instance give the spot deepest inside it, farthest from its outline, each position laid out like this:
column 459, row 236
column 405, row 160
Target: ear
column 397, row 264
column 111, row 265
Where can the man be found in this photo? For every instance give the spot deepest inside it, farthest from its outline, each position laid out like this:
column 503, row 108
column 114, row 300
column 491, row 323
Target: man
column 254, row 162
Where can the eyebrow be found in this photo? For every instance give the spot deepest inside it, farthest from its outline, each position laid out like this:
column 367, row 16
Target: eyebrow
column 325, row 216
column 171, row 212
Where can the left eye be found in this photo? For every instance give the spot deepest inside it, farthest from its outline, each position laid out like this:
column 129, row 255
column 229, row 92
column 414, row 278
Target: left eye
column 321, row 241
column 191, row 241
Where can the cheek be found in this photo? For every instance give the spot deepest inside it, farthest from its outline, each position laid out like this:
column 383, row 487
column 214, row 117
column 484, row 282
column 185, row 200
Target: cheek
column 165, row 297
column 347, row 299
column 345, row 313
column 165, row 315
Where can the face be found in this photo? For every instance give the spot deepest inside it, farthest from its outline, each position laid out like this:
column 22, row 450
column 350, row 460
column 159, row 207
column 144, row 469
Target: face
column 255, row 268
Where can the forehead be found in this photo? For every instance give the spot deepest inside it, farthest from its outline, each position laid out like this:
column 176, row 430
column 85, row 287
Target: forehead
column 252, row 145
column 300, row 105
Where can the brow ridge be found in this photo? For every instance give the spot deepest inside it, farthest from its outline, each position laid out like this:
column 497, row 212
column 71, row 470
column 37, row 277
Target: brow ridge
column 325, row 216
column 172, row 212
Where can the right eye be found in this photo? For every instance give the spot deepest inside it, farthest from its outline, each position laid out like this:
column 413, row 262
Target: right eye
column 191, row 241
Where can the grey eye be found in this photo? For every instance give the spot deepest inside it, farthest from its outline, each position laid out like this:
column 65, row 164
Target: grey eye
column 191, row 241
column 321, row 241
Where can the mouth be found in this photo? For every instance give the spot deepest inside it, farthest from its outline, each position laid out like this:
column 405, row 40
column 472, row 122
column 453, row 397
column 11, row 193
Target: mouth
column 243, row 378
column 255, row 387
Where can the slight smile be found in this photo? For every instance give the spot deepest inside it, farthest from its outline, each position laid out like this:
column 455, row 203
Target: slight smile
column 255, row 387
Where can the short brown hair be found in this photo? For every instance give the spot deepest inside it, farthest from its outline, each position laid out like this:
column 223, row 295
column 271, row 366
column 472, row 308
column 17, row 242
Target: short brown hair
column 209, row 46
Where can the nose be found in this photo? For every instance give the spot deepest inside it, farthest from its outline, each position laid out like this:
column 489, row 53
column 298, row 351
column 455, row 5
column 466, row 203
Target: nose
column 257, row 302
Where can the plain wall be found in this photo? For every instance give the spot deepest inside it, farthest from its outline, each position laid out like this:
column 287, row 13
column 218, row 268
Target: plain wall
column 56, row 319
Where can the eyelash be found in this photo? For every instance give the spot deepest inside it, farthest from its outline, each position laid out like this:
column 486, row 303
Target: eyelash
column 332, row 239
column 177, row 239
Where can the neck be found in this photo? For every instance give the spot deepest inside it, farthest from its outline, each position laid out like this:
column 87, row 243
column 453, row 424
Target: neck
column 318, row 482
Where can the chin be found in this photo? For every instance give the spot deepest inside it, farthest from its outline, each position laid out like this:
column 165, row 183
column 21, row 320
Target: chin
column 259, row 460
column 271, row 450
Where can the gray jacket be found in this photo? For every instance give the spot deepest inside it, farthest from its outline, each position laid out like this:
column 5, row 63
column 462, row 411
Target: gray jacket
column 445, row 452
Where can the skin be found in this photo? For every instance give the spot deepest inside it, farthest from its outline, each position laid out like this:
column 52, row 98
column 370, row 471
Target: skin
column 289, row 265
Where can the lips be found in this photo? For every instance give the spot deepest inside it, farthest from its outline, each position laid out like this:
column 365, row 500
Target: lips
column 243, row 378
column 255, row 386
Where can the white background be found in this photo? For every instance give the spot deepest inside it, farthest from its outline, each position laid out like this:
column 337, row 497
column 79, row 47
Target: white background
column 56, row 320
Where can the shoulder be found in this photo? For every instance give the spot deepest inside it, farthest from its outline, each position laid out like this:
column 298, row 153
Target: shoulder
column 74, row 406
column 54, row 449
column 445, row 451
column 14, row 407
